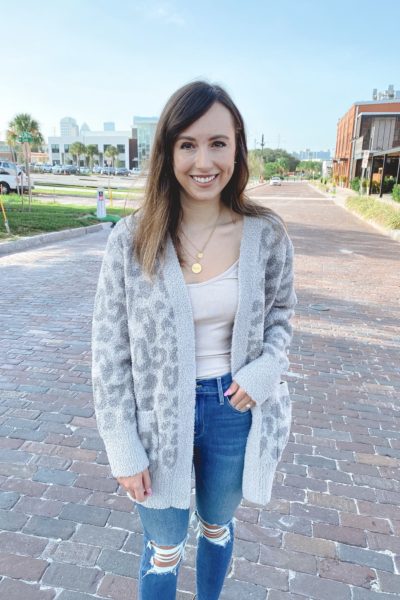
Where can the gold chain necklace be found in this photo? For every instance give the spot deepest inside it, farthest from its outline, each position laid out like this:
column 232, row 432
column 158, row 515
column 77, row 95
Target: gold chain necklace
column 196, row 266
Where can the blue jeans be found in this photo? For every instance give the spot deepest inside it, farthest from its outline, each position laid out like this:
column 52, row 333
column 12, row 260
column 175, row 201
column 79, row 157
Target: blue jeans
column 220, row 435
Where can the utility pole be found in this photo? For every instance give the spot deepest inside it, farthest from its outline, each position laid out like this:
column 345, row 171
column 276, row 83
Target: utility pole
column 262, row 144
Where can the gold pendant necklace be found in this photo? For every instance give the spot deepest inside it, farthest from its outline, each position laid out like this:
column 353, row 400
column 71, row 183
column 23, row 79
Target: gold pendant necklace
column 196, row 267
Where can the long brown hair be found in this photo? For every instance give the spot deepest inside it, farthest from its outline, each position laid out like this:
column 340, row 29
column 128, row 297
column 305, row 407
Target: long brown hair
column 161, row 210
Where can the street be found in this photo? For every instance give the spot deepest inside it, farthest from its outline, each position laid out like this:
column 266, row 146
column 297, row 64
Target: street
column 332, row 530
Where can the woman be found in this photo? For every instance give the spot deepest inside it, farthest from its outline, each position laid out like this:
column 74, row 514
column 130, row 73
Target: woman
column 190, row 338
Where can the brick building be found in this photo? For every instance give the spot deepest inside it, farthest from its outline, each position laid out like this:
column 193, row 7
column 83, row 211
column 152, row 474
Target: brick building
column 368, row 139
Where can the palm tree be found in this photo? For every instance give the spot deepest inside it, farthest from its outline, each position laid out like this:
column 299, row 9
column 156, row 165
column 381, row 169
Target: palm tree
column 19, row 125
column 91, row 151
column 111, row 152
column 76, row 149
column 24, row 123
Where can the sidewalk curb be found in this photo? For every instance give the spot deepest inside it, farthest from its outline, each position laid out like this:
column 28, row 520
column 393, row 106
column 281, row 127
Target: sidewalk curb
column 393, row 233
column 35, row 241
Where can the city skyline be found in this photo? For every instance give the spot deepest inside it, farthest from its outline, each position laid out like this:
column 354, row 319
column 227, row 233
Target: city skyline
column 293, row 69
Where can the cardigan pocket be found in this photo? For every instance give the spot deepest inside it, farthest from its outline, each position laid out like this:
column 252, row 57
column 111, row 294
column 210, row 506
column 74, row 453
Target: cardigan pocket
column 147, row 426
column 285, row 419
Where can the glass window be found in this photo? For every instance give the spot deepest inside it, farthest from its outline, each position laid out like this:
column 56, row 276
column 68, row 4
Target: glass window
column 55, row 148
column 121, row 148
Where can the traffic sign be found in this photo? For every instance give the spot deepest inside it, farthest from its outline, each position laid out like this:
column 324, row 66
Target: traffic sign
column 25, row 136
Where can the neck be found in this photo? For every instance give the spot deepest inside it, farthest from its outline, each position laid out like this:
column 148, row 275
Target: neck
column 202, row 215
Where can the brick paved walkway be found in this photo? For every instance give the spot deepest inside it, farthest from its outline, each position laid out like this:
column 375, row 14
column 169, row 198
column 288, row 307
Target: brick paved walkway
column 332, row 531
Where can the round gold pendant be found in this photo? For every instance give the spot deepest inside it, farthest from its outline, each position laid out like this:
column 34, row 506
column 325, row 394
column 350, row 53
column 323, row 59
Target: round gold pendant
column 196, row 267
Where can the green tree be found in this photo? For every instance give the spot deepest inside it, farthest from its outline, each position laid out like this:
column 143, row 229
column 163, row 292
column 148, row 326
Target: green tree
column 283, row 164
column 91, row 152
column 256, row 164
column 20, row 124
column 310, row 168
column 286, row 160
column 271, row 169
column 77, row 149
column 111, row 152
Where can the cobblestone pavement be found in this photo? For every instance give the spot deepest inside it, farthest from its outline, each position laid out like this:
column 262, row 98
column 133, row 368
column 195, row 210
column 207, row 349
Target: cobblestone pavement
column 332, row 531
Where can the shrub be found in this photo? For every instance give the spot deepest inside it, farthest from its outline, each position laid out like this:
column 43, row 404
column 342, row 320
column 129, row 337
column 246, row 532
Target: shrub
column 388, row 184
column 396, row 192
column 355, row 184
column 375, row 187
column 374, row 210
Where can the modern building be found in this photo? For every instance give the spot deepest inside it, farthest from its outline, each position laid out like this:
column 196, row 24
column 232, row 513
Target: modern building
column 368, row 140
column 59, row 147
column 109, row 126
column 84, row 128
column 5, row 151
column 326, row 168
column 69, row 127
column 146, row 128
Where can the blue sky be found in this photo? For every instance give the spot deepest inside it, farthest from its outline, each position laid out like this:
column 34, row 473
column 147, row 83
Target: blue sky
column 293, row 67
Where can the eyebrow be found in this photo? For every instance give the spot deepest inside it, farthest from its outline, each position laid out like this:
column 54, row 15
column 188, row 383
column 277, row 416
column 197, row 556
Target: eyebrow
column 192, row 139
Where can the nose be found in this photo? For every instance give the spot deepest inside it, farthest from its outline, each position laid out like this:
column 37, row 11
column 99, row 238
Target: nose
column 203, row 158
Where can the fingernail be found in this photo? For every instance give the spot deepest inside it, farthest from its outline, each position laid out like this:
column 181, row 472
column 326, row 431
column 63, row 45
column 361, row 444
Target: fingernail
column 227, row 392
column 149, row 491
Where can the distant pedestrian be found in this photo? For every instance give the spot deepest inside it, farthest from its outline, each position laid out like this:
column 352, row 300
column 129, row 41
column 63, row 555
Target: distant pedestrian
column 191, row 330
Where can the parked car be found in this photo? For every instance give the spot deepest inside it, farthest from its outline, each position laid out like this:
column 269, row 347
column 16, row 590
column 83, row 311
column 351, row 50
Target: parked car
column 96, row 169
column 42, row 168
column 107, row 171
column 64, row 169
column 70, row 169
column 8, row 183
column 83, row 171
column 122, row 171
column 135, row 171
column 10, row 167
column 275, row 181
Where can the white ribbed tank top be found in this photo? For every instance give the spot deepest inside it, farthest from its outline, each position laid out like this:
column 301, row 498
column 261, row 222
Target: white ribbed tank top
column 214, row 304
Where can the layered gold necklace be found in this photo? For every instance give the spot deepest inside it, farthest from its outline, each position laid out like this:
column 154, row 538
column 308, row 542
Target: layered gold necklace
column 196, row 266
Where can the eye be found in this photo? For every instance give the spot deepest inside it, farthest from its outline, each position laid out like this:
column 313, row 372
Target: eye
column 219, row 144
column 186, row 145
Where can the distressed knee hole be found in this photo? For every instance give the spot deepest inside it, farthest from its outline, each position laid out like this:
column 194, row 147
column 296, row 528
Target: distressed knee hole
column 216, row 534
column 165, row 559
column 166, row 556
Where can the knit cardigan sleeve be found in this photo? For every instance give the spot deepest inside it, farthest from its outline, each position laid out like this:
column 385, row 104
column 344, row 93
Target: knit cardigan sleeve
column 113, row 386
column 260, row 377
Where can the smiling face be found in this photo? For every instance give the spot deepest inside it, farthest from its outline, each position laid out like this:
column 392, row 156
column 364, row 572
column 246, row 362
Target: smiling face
column 204, row 155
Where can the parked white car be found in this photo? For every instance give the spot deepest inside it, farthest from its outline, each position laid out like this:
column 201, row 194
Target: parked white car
column 10, row 167
column 275, row 181
column 8, row 183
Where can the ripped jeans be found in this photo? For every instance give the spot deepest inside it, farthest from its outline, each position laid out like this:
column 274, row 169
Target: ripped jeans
column 220, row 435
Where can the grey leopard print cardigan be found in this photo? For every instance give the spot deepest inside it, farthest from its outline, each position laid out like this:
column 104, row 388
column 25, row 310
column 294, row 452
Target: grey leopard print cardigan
column 144, row 366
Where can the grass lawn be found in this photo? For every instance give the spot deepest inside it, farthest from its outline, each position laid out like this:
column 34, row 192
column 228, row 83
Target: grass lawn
column 44, row 218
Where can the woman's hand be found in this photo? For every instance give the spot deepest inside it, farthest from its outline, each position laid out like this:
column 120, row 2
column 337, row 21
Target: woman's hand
column 240, row 399
column 138, row 486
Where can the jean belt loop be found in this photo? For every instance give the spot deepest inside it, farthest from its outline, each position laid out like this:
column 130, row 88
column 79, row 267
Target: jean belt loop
column 220, row 390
